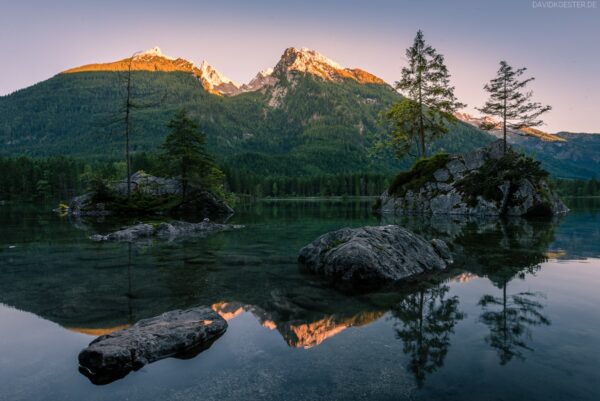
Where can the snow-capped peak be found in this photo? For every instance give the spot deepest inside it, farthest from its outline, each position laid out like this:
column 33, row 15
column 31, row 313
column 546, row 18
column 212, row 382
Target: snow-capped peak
column 153, row 52
column 265, row 73
column 213, row 76
column 318, row 57
column 306, row 60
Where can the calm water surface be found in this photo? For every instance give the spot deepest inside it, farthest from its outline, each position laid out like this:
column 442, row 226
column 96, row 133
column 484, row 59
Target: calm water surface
column 517, row 318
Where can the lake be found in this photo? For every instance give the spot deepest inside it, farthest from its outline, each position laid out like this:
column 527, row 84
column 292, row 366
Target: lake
column 516, row 318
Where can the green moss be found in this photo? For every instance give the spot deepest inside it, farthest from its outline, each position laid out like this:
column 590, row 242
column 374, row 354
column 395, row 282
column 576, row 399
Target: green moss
column 333, row 244
column 421, row 173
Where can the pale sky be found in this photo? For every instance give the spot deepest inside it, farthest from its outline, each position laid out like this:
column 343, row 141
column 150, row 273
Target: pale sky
column 560, row 46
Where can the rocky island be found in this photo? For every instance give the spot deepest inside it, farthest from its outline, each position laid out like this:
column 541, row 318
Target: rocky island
column 482, row 182
column 150, row 195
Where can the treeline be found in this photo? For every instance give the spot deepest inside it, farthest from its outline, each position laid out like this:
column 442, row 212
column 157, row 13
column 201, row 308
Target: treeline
column 60, row 178
column 578, row 187
column 52, row 178
column 357, row 184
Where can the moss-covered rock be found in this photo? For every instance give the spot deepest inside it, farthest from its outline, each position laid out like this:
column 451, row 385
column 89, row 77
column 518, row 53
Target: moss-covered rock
column 484, row 182
column 149, row 195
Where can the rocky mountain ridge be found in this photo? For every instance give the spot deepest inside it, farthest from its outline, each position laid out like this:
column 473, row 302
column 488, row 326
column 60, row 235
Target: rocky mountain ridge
column 293, row 60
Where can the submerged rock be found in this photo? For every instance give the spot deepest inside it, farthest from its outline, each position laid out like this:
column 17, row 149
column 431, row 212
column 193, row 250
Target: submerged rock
column 178, row 333
column 127, row 234
column 372, row 255
column 171, row 230
column 482, row 182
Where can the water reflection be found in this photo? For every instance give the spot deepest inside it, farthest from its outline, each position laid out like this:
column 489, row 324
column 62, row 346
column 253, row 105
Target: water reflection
column 509, row 319
column 501, row 250
column 426, row 320
column 57, row 273
column 299, row 329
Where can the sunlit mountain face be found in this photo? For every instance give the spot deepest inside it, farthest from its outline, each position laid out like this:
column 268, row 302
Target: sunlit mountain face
column 297, row 333
column 293, row 60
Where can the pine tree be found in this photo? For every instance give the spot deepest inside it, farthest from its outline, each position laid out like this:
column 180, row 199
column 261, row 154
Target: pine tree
column 510, row 102
column 186, row 154
column 430, row 102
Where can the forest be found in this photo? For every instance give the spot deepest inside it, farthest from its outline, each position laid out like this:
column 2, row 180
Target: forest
column 59, row 178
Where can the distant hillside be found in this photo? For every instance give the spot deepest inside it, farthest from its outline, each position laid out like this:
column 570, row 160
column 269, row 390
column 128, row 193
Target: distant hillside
column 565, row 155
column 578, row 156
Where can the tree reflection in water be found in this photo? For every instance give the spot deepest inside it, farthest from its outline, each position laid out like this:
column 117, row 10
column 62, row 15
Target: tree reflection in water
column 509, row 319
column 426, row 319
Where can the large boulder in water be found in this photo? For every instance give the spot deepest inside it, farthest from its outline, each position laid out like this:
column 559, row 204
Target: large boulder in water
column 373, row 255
column 483, row 182
column 178, row 333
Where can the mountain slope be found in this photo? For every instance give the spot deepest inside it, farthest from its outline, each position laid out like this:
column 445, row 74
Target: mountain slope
column 308, row 115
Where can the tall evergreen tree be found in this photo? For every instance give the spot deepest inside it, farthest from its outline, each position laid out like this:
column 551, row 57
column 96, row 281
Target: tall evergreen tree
column 430, row 102
column 186, row 154
column 509, row 101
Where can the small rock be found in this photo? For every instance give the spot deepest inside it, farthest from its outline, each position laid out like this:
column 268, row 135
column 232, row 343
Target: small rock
column 172, row 334
column 170, row 230
column 456, row 168
column 441, row 175
column 127, row 234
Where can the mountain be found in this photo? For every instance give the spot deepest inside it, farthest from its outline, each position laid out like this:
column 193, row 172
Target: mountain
column 564, row 154
column 511, row 134
column 307, row 115
column 154, row 60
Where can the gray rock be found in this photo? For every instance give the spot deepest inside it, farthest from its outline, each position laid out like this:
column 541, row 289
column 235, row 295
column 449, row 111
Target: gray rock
column 127, row 234
column 456, row 167
column 171, row 230
column 149, row 185
column 176, row 333
column 373, row 255
column 441, row 175
column 496, row 150
column 176, row 229
column 443, row 193
column 474, row 160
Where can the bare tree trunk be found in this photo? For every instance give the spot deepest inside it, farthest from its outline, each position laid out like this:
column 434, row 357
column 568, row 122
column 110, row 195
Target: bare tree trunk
column 421, row 124
column 504, row 117
column 127, row 129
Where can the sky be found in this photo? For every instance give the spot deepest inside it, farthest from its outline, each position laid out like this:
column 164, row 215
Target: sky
column 558, row 41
